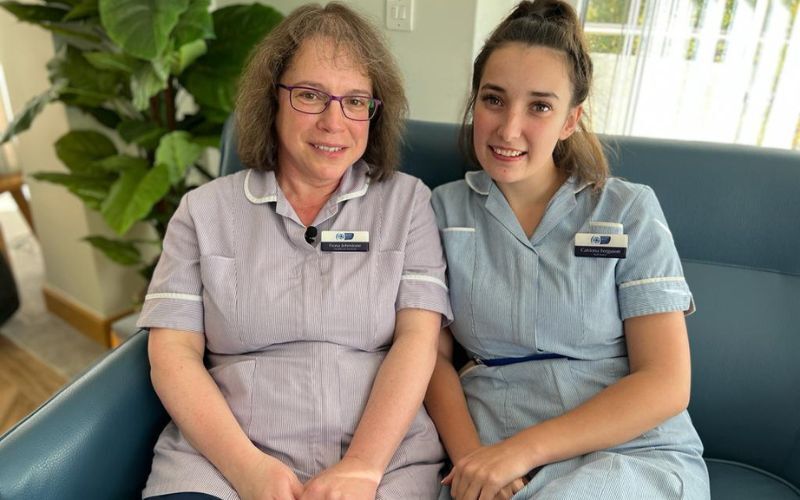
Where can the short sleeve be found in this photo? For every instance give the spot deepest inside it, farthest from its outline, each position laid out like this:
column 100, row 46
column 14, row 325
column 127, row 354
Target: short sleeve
column 650, row 279
column 422, row 283
column 174, row 298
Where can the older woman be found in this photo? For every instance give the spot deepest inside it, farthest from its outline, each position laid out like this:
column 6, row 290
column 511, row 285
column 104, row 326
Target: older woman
column 312, row 283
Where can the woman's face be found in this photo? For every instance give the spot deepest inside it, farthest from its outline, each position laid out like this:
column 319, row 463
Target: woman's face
column 318, row 149
column 521, row 111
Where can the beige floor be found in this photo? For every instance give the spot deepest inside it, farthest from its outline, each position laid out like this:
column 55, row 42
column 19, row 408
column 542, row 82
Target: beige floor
column 44, row 336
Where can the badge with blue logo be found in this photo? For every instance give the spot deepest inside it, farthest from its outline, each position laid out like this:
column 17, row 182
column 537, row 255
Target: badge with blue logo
column 609, row 246
column 344, row 241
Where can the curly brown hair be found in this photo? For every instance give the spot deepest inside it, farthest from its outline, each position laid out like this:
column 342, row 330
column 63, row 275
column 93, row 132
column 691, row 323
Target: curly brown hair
column 257, row 102
column 553, row 24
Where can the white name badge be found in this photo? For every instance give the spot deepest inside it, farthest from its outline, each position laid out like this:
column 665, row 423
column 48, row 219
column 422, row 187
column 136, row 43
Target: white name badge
column 610, row 246
column 344, row 241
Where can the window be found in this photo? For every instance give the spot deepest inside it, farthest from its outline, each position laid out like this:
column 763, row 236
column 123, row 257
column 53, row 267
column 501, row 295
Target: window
column 709, row 70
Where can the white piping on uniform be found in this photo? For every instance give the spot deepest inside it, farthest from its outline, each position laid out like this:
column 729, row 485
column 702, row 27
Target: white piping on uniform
column 458, row 229
column 178, row 296
column 647, row 281
column 423, row 277
column 468, row 178
column 250, row 196
column 355, row 194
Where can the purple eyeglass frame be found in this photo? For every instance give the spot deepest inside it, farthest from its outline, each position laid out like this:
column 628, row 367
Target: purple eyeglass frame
column 331, row 98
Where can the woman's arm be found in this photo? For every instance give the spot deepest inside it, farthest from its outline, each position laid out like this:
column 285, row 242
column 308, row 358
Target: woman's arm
column 656, row 389
column 200, row 411
column 393, row 403
column 447, row 405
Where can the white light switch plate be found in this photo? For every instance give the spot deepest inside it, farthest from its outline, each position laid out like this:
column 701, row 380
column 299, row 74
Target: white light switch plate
column 400, row 15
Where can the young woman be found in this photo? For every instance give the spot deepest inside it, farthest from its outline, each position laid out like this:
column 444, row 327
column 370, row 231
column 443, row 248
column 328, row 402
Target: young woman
column 567, row 293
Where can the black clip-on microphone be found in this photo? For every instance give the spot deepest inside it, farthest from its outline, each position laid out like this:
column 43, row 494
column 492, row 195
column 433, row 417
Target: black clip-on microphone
column 311, row 234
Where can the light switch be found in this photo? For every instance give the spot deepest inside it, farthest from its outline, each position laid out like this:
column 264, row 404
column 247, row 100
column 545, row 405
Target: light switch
column 400, row 15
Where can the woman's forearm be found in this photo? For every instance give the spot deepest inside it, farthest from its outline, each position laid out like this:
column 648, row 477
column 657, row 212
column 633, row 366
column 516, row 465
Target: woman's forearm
column 398, row 390
column 448, row 409
column 656, row 389
column 196, row 404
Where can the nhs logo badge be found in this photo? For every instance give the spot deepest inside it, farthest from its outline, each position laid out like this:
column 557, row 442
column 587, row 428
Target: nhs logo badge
column 344, row 241
column 607, row 246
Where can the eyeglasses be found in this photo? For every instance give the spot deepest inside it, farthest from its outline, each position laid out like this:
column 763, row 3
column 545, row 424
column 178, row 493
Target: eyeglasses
column 313, row 102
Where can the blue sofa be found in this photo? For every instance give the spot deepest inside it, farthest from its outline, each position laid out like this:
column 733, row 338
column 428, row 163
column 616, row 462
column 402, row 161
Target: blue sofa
column 735, row 215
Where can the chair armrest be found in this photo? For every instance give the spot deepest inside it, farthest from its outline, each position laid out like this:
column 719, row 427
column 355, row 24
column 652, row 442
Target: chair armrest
column 93, row 439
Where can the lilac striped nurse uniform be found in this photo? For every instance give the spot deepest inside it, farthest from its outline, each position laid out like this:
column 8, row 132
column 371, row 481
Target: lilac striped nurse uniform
column 295, row 335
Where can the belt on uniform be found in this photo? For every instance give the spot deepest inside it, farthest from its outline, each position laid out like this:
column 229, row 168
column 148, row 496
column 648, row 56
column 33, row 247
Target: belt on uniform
column 511, row 361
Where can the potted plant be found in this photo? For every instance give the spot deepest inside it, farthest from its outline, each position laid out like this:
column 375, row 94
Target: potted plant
column 160, row 77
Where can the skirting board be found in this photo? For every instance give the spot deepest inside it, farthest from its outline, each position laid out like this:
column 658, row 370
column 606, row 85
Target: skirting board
column 85, row 321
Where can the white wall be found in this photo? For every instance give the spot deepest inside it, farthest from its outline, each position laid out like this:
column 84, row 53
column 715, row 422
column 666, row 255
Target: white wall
column 435, row 58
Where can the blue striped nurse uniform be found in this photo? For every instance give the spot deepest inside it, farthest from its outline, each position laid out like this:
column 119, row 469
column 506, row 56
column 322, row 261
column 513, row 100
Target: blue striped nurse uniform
column 514, row 296
column 294, row 334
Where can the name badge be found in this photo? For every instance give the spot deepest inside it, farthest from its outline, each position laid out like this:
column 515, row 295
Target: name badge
column 344, row 241
column 609, row 246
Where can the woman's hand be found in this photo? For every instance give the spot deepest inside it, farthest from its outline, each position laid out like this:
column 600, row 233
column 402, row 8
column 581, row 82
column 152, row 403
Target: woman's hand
column 268, row 479
column 350, row 479
column 489, row 472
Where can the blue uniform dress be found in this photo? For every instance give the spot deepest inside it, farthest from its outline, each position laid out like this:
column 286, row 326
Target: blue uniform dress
column 514, row 296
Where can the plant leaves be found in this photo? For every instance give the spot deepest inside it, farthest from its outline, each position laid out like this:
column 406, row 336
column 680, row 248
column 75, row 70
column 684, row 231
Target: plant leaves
column 187, row 54
column 121, row 252
column 133, row 195
column 23, row 120
column 91, row 189
column 144, row 133
column 80, row 149
column 82, row 10
column 212, row 79
column 34, row 14
column 141, row 27
column 86, row 85
column 105, row 116
column 148, row 79
column 194, row 24
column 177, row 151
column 120, row 163
column 110, row 61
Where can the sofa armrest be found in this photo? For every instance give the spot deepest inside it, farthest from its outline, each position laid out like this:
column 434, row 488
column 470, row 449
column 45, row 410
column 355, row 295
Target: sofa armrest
column 93, row 439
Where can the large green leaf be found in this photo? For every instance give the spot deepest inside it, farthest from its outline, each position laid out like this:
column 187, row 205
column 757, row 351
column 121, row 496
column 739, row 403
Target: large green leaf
column 213, row 78
column 82, row 10
column 195, row 23
column 111, row 62
column 187, row 54
column 143, row 133
column 177, row 152
column 104, row 116
column 133, row 195
column 120, row 163
column 148, row 79
column 80, row 149
column 23, row 120
column 35, row 14
column 141, row 27
column 91, row 189
column 121, row 252
column 86, row 85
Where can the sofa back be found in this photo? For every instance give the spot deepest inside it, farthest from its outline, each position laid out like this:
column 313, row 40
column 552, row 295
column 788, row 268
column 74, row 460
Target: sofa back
column 734, row 212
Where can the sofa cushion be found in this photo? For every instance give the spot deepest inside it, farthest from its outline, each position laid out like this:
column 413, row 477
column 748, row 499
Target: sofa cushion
column 735, row 481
